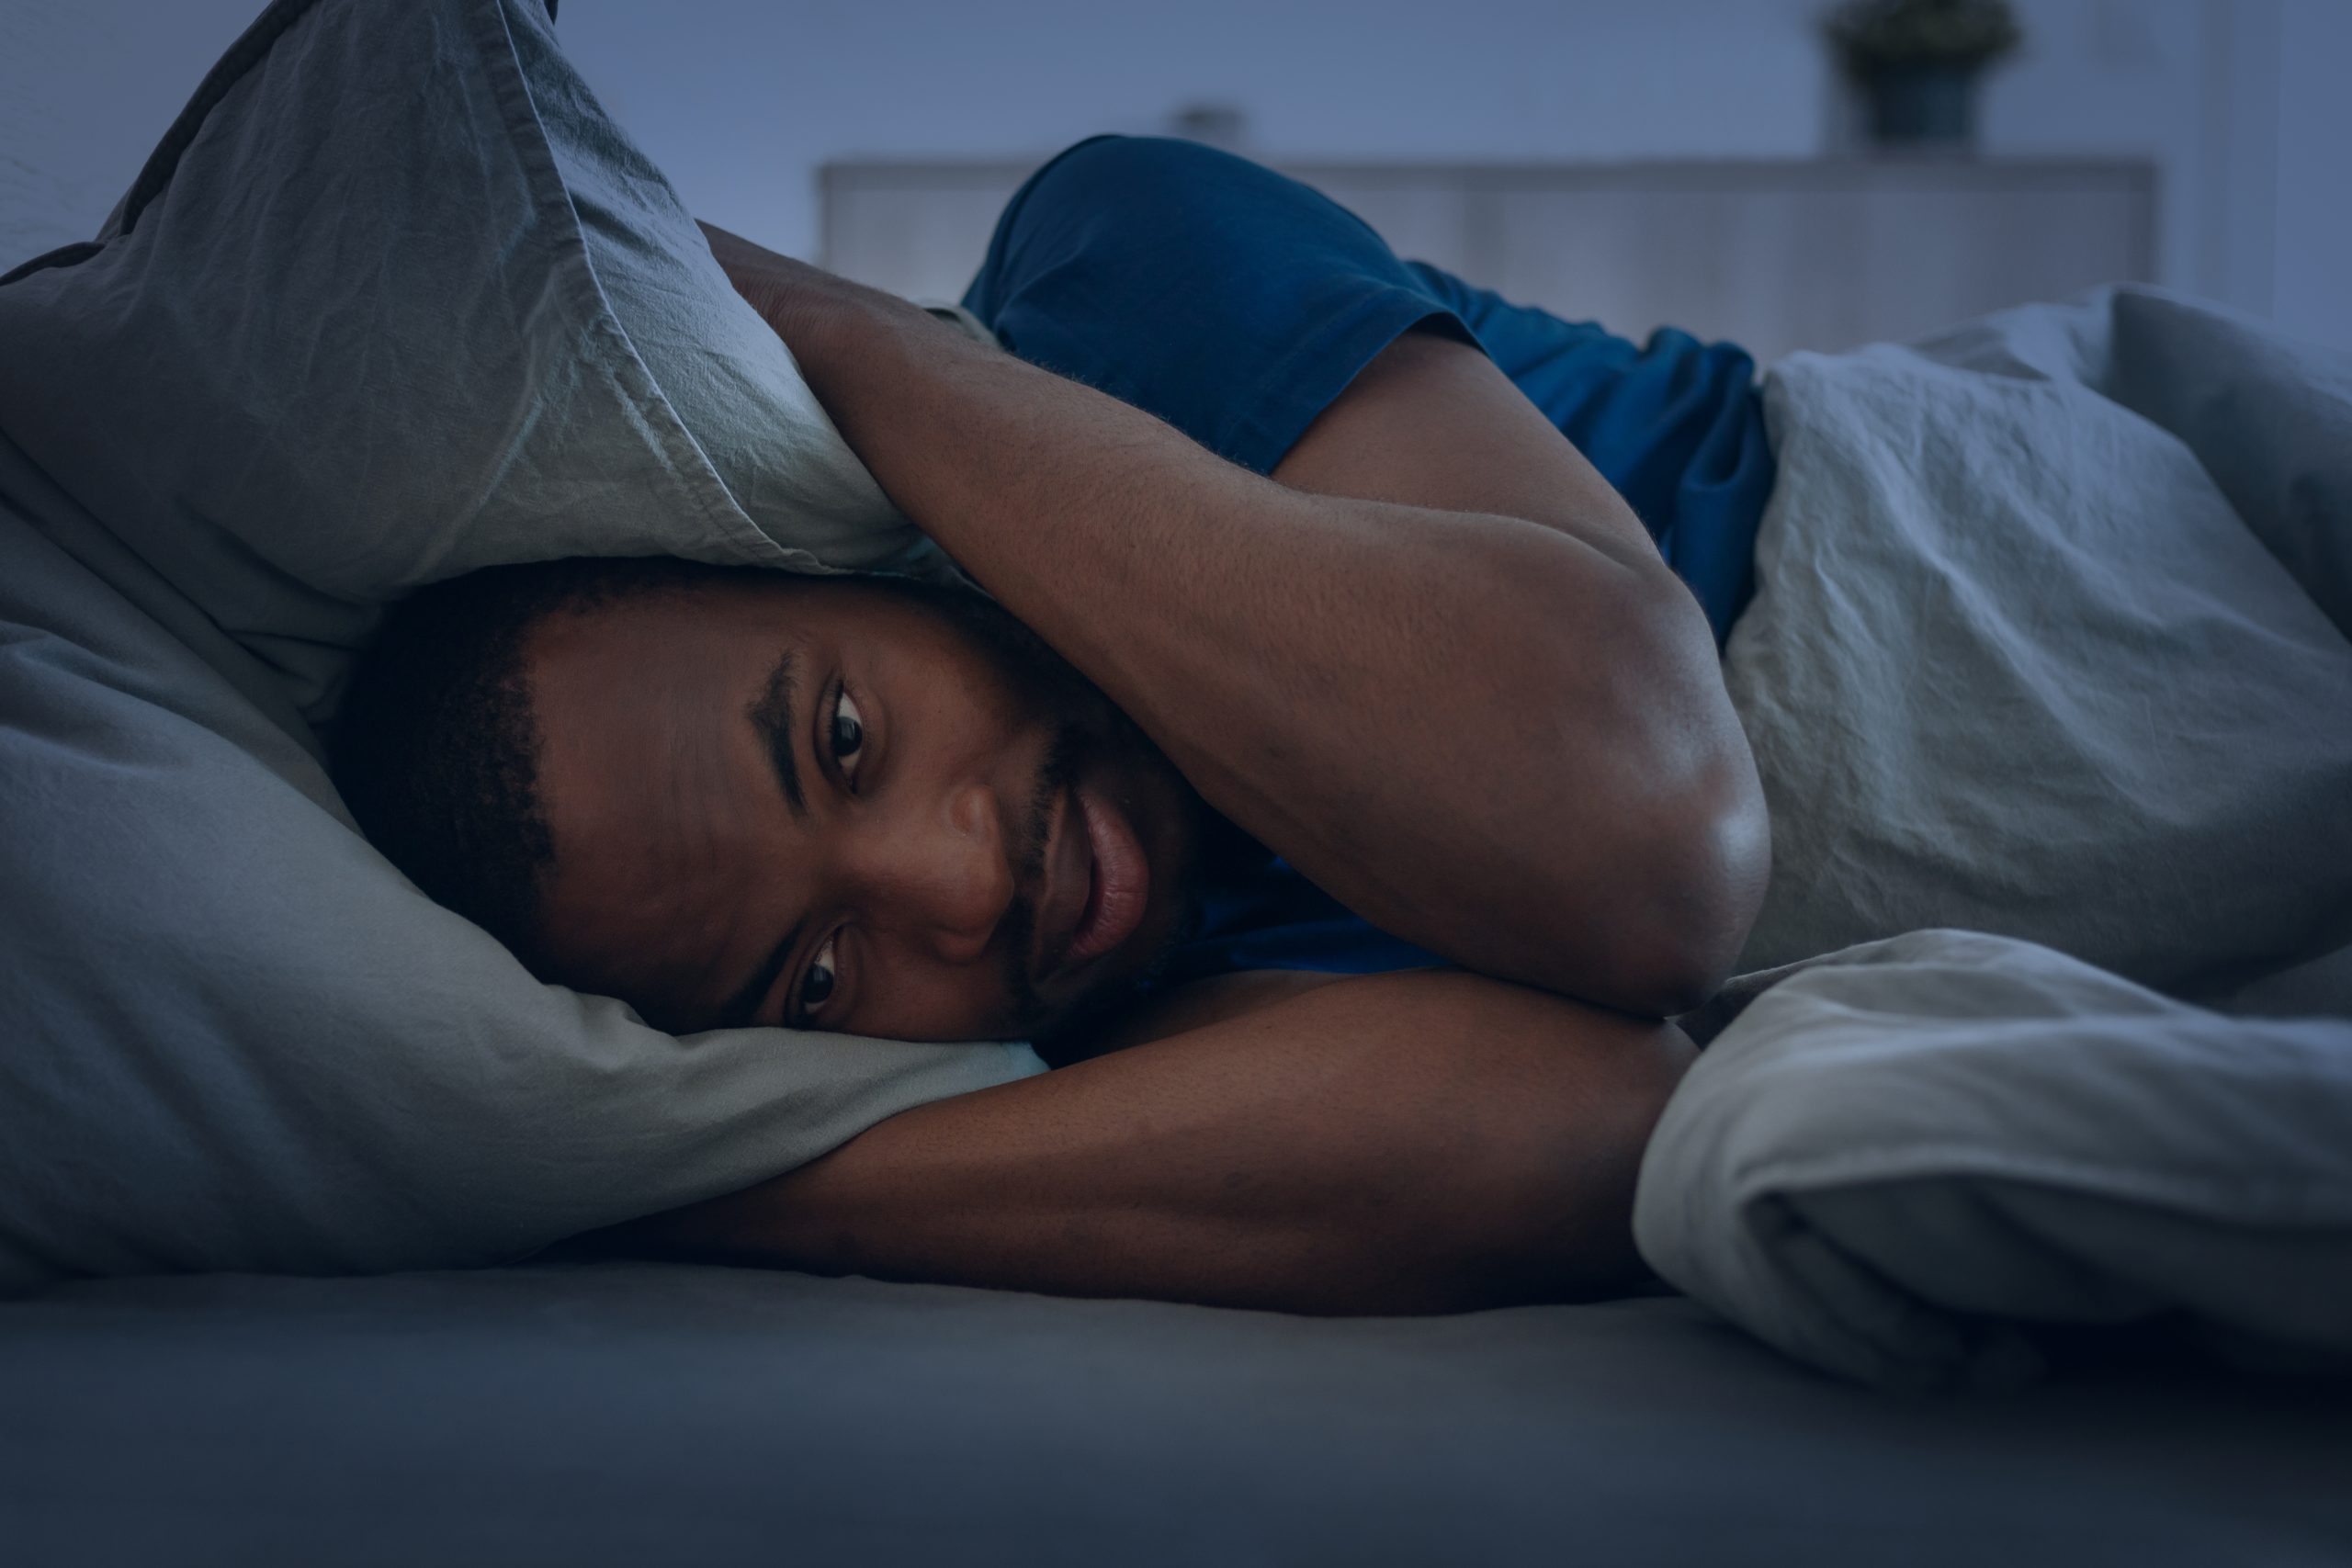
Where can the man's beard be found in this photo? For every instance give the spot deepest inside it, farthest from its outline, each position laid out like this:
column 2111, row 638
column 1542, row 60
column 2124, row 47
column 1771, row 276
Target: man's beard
column 1019, row 927
column 1086, row 722
column 1029, row 1015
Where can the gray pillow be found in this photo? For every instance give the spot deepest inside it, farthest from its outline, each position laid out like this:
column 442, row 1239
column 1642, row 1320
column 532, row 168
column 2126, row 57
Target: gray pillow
column 392, row 301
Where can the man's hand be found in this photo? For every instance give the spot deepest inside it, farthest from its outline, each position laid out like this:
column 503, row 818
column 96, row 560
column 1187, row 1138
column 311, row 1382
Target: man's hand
column 1421, row 1142
column 1439, row 666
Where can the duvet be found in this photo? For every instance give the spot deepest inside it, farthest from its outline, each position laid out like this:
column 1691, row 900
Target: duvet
column 2050, row 1015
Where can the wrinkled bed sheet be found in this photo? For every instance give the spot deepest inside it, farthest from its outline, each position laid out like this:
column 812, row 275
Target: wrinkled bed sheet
column 2049, row 643
column 649, row 1413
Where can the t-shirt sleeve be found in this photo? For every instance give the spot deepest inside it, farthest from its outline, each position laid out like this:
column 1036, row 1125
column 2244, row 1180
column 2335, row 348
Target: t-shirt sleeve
column 1230, row 301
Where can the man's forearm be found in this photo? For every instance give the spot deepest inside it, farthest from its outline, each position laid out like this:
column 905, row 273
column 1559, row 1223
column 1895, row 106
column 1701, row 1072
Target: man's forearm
column 1467, row 727
column 1408, row 1142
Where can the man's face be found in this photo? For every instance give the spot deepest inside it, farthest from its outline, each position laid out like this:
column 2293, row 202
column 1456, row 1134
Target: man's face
column 828, row 804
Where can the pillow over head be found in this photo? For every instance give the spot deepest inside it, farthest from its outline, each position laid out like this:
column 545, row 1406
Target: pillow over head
column 392, row 301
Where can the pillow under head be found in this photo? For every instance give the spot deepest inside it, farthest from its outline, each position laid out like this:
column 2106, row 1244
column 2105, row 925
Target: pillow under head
column 392, row 301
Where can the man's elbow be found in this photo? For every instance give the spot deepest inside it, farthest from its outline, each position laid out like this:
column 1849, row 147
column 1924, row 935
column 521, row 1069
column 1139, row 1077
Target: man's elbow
column 1699, row 838
column 1656, row 887
column 1686, row 926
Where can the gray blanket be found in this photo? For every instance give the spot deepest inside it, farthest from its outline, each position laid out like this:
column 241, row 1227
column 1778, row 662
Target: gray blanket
column 2049, row 643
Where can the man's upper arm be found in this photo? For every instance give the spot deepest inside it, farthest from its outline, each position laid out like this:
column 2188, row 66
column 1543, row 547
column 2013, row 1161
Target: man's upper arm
column 1431, row 422
column 1414, row 1142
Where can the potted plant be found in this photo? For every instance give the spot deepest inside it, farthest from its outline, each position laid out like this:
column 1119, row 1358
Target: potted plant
column 1917, row 61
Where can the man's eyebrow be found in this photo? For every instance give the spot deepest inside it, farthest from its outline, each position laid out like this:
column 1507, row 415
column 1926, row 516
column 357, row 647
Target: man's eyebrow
column 743, row 1007
column 771, row 716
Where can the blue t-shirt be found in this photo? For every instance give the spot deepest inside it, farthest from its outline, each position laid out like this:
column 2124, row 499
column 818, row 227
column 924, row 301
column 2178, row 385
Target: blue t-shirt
column 1238, row 304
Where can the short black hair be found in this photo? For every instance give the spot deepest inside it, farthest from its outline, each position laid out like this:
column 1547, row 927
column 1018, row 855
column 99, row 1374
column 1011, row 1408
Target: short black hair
column 434, row 746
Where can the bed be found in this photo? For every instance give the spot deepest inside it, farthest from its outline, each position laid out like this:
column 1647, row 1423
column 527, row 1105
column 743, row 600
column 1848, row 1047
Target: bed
column 637, row 1413
column 2008, row 1214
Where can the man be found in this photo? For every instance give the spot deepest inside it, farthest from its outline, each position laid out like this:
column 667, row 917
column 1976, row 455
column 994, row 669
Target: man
column 1343, row 792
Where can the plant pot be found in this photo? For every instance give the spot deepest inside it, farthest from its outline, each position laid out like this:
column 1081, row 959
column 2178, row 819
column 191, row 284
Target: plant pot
column 1923, row 105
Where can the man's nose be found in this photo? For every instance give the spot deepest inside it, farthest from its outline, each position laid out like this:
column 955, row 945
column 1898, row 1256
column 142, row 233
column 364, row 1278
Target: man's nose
column 948, row 876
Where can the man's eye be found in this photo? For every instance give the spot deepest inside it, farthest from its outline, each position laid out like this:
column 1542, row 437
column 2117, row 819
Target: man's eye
column 818, row 982
column 848, row 730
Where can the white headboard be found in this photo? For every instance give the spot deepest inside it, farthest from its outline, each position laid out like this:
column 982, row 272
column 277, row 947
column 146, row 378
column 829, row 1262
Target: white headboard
column 1774, row 254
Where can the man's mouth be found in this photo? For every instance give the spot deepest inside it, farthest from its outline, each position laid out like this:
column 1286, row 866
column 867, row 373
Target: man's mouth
column 1100, row 882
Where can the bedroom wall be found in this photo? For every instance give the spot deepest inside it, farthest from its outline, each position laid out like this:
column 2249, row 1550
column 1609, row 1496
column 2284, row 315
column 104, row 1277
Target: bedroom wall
column 2311, row 277
column 741, row 100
